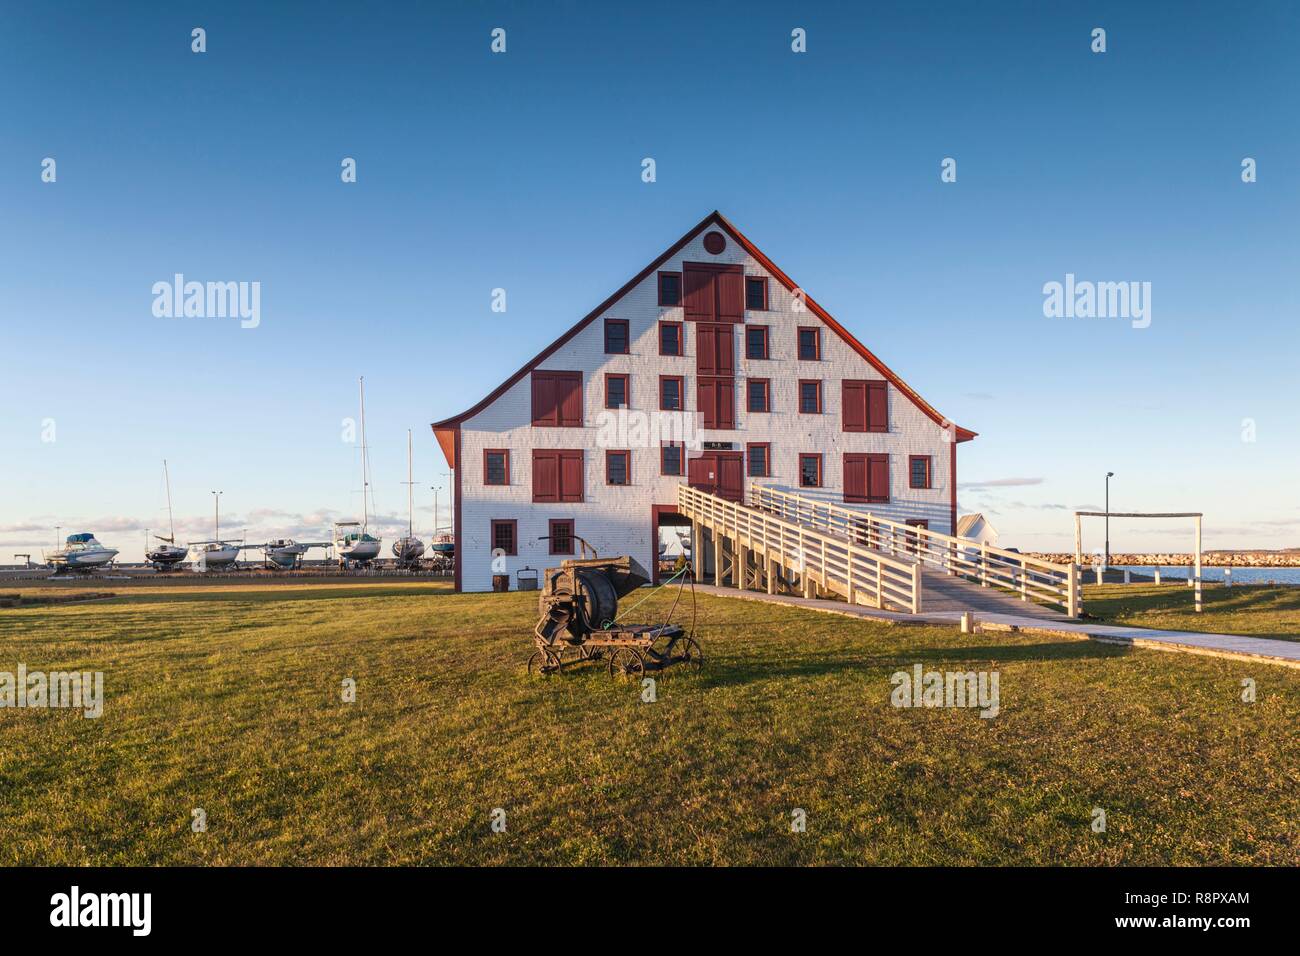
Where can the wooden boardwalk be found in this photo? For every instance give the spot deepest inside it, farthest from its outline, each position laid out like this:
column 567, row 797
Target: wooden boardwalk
column 1232, row 646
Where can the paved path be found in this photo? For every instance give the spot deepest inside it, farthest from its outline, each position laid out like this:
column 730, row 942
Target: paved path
column 1286, row 653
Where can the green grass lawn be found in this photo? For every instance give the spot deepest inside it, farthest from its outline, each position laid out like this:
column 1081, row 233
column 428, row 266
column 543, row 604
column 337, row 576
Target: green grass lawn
column 228, row 698
column 1259, row 610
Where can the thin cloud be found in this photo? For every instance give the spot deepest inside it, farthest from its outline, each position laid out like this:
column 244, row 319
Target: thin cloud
column 1000, row 483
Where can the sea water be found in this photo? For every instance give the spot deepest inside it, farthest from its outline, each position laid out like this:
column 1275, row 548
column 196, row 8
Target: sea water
column 1238, row 576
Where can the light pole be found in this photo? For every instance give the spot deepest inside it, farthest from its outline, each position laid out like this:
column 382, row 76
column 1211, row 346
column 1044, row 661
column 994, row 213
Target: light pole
column 216, row 513
column 1105, row 564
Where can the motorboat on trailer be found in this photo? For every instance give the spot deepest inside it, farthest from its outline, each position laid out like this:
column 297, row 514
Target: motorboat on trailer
column 214, row 554
column 80, row 552
column 285, row 553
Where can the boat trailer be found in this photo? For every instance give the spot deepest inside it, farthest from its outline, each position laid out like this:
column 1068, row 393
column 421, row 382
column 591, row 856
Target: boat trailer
column 579, row 622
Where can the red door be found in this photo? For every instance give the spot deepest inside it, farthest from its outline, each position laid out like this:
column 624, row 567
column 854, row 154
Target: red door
column 731, row 475
column 720, row 473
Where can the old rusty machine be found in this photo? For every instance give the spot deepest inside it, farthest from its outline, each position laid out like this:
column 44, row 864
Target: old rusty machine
column 579, row 621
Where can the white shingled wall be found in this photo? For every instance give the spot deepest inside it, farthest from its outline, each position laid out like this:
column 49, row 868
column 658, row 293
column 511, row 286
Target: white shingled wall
column 617, row 519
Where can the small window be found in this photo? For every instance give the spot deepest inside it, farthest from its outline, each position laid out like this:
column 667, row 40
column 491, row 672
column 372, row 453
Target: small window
column 758, row 395
column 504, row 536
column 561, row 536
column 756, row 342
column 671, row 388
column 759, row 459
column 618, row 467
column 918, row 467
column 810, row 344
column 496, row 466
column 616, row 391
column 756, row 293
column 616, row 336
column 810, row 471
column 672, row 458
column 670, row 288
column 810, row 397
column 670, row 339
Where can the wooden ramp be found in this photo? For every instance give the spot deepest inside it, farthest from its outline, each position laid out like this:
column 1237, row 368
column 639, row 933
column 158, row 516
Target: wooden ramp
column 788, row 544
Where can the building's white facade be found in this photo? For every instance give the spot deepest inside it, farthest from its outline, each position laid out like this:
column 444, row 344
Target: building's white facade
column 620, row 519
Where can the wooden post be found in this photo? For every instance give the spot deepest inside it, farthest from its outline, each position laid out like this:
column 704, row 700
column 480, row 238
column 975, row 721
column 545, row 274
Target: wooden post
column 1072, row 592
column 1099, row 570
column 984, row 564
column 771, row 574
column 717, row 557
column 1157, row 574
column 1127, row 579
column 880, row 585
column 739, row 566
column 1078, row 540
column 916, row 588
column 1198, row 565
column 852, row 596
column 697, row 551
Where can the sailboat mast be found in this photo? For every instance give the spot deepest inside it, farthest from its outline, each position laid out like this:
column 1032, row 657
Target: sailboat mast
column 167, row 478
column 410, row 490
column 365, row 472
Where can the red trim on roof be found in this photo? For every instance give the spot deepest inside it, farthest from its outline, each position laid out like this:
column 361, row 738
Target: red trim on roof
column 713, row 218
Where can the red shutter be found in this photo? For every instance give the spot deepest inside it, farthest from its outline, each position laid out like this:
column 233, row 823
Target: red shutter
column 571, row 476
column 877, row 407
column 855, row 477
column 705, row 395
column 725, row 399
column 569, row 399
column 853, row 406
column 878, row 477
column 546, row 476
column 698, row 294
column 706, row 349
column 544, row 404
column 724, row 351
column 731, row 297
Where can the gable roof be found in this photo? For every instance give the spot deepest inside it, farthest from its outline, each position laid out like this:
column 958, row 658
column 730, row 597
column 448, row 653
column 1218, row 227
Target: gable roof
column 444, row 429
column 967, row 523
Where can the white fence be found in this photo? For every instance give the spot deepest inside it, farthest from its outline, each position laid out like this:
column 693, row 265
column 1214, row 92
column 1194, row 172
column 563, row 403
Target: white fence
column 852, row 570
column 989, row 566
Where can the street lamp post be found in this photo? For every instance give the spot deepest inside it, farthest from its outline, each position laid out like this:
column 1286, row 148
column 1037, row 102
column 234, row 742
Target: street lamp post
column 1105, row 564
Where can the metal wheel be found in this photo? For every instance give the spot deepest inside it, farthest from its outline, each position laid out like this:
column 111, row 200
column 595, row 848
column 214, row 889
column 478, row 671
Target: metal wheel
column 686, row 651
column 626, row 662
column 544, row 662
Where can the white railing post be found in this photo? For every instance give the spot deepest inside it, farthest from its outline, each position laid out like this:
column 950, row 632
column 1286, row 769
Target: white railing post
column 916, row 588
column 1072, row 592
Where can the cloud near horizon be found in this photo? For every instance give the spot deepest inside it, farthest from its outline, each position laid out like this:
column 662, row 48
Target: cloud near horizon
column 1000, row 483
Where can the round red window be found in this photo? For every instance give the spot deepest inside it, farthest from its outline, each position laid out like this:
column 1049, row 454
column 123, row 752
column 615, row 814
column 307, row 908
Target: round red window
column 714, row 243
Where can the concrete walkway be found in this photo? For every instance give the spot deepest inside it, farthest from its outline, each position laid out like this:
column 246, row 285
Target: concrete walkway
column 1286, row 653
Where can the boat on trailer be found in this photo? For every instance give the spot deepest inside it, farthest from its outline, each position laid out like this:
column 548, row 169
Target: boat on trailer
column 80, row 552
column 167, row 555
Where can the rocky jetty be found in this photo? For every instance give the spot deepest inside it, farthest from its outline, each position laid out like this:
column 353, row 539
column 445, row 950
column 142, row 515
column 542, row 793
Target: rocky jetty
column 1209, row 559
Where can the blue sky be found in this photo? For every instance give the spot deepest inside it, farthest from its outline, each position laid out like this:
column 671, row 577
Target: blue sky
column 522, row 171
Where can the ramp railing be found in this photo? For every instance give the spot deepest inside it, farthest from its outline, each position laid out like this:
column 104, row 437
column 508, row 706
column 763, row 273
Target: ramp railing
column 849, row 568
column 981, row 563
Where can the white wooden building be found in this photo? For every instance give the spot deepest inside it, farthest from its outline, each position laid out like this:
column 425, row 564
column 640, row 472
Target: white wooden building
column 710, row 366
